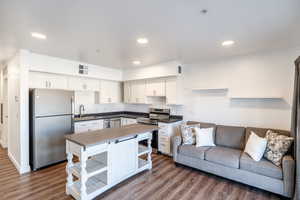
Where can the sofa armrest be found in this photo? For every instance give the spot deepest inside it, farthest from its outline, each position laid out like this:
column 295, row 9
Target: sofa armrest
column 176, row 144
column 288, row 168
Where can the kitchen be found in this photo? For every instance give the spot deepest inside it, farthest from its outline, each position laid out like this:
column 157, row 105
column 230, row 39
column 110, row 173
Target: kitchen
column 61, row 105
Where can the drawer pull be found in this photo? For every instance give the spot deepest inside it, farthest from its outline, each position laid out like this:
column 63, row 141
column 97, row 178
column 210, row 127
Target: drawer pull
column 118, row 141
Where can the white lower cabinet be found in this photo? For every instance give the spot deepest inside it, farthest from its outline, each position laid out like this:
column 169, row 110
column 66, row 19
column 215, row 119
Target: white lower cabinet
column 103, row 166
column 165, row 134
column 85, row 126
column 127, row 121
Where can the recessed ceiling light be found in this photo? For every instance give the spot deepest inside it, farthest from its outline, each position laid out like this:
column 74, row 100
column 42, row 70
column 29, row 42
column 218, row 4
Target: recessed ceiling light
column 204, row 11
column 227, row 43
column 38, row 35
column 136, row 62
column 142, row 40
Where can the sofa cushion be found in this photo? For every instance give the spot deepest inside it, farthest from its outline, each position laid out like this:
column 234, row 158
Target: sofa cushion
column 224, row 156
column 193, row 151
column 262, row 167
column 261, row 132
column 230, row 136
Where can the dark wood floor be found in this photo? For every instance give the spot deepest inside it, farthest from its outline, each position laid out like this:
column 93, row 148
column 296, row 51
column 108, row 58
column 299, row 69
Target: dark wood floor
column 164, row 181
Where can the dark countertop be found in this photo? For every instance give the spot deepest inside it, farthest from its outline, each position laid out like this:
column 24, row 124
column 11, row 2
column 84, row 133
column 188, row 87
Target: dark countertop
column 91, row 138
column 125, row 114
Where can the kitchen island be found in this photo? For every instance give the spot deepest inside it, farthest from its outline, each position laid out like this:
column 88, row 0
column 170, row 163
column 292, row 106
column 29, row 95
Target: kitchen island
column 106, row 158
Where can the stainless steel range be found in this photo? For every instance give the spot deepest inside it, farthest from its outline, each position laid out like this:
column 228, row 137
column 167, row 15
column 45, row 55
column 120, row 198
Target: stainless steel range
column 155, row 115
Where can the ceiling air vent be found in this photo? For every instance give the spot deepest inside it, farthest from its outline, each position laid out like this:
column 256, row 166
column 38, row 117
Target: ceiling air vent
column 83, row 69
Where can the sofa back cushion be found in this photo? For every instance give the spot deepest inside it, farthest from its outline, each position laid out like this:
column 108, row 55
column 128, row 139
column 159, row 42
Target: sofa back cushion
column 262, row 132
column 230, row 136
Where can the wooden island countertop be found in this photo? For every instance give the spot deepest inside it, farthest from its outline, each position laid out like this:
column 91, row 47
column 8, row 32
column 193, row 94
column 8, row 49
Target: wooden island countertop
column 91, row 138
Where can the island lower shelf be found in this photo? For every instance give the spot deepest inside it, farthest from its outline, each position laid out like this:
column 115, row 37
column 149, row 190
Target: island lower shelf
column 102, row 166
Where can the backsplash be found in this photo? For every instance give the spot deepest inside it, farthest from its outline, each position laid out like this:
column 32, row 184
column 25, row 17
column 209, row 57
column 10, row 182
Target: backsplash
column 88, row 99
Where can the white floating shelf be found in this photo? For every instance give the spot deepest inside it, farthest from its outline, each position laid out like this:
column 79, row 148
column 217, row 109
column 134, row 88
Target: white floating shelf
column 256, row 97
column 209, row 89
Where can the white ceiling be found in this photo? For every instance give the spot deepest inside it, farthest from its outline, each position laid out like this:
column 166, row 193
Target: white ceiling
column 176, row 29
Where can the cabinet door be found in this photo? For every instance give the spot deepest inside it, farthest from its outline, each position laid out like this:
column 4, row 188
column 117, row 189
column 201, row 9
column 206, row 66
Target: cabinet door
column 83, row 84
column 37, row 80
column 131, row 121
column 57, row 82
column 138, row 94
column 110, row 92
column 127, row 92
column 171, row 91
column 47, row 81
column 115, row 92
column 123, row 160
column 156, row 87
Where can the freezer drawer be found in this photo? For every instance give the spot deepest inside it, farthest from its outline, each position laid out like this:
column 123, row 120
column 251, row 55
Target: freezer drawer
column 48, row 140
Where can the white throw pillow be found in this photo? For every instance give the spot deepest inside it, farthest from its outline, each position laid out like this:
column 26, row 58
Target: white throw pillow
column 255, row 146
column 204, row 137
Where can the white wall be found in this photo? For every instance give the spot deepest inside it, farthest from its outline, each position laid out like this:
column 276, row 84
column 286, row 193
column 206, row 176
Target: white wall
column 266, row 73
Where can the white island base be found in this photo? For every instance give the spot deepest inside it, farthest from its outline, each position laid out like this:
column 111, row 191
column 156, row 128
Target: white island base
column 104, row 165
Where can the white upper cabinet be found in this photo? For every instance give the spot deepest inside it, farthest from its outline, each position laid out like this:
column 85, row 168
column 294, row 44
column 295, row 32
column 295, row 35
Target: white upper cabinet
column 138, row 92
column 171, row 91
column 156, row 87
column 47, row 81
column 110, row 92
column 127, row 92
column 83, row 84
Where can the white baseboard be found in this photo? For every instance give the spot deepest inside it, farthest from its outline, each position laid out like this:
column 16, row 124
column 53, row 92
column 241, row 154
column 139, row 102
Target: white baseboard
column 3, row 145
column 21, row 169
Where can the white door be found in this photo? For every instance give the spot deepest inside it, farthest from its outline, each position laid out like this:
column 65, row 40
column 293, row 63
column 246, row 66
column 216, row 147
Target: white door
column 5, row 115
column 123, row 160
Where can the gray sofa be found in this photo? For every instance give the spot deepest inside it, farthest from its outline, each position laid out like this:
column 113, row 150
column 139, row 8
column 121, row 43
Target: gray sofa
column 228, row 160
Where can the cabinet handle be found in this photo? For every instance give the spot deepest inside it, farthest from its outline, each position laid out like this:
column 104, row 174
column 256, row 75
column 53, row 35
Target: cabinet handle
column 118, row 141
column 46, row 84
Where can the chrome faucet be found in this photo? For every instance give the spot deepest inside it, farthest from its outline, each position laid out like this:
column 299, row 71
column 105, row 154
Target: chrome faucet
column 81, row 109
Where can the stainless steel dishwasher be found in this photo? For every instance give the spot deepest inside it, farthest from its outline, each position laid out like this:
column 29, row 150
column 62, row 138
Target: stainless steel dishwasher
column 112, row 123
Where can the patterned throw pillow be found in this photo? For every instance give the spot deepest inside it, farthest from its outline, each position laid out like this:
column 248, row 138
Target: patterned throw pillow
column 277, row 146
column 188, row 134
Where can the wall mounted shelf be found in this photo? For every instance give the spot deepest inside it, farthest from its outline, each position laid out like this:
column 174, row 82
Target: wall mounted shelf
column 256, row 97
column 209, row 89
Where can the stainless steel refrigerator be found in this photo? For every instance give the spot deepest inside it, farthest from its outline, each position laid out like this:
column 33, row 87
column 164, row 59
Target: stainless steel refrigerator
column 51, row 115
